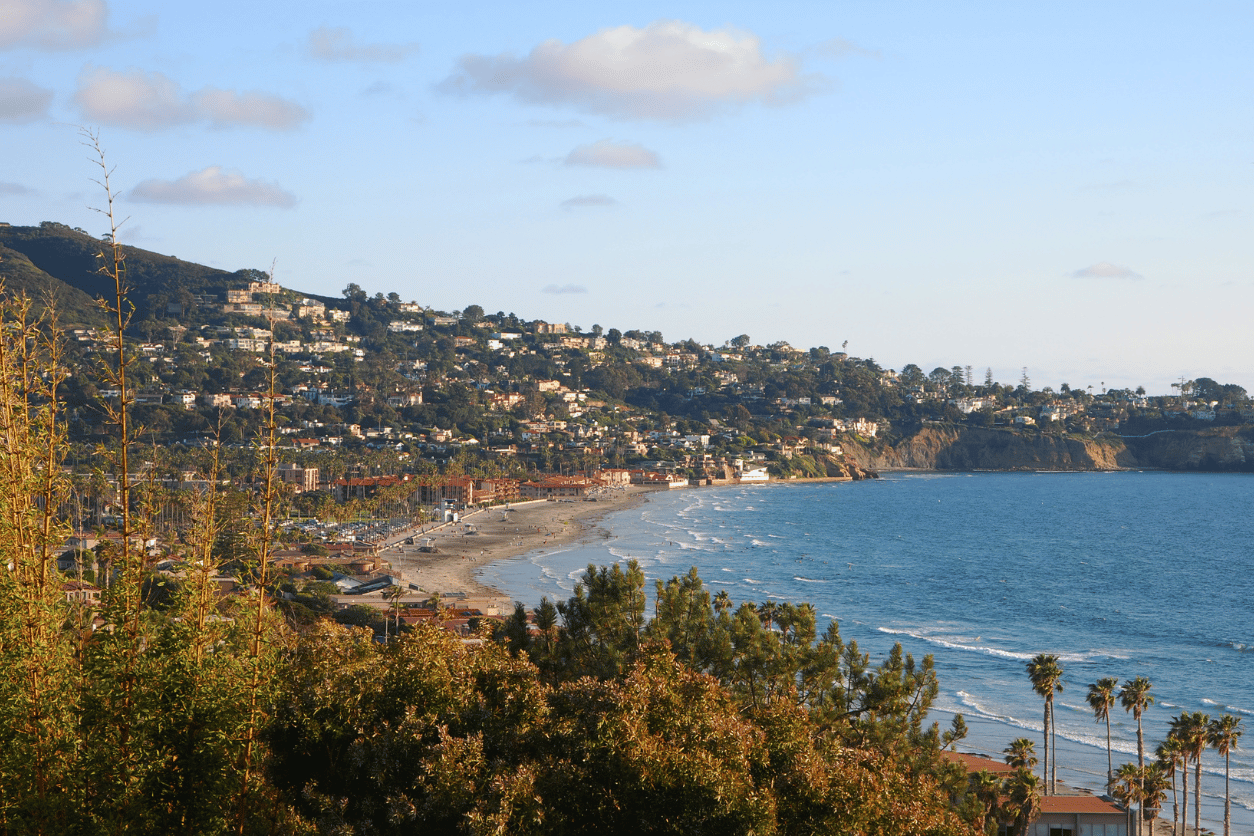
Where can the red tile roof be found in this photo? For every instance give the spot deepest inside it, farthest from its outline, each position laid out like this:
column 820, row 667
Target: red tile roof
column 976, row 763
column 1078, row 804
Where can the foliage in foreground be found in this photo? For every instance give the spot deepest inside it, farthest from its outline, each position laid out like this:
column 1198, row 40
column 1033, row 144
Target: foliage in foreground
column 209, row 714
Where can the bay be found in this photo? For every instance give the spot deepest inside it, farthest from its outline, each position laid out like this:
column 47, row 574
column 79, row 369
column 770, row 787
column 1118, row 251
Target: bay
column 1119, row 574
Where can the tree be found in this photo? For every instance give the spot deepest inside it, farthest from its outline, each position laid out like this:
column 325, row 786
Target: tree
column 741, row 341
column 1046, row 676
column 1135, row 696
column 1171, row 757
column 1223, row 734
column 1021, row 753
column 1191, row 728
column 1130, row 780
column 472, row 313
column 1101, row 699
column 1023, row 799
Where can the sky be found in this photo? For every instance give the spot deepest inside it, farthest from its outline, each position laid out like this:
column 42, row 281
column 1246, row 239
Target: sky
column 1061, row 187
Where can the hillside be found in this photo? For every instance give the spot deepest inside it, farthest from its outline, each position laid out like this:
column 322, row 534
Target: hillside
column 65, row 260
column 515, row 394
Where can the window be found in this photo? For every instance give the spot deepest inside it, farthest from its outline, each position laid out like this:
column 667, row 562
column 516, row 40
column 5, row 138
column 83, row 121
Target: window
column 1060, row 831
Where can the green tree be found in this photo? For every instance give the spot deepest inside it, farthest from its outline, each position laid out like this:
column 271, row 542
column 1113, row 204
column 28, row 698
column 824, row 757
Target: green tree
column 1222, row 735
column 1101, row 698
column 1135, row 696
column 1023, row 799
column 1046, row 676
column 1170, row 755
column 1192, row 729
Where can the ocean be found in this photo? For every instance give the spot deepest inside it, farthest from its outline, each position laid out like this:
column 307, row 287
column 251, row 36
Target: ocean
column 1118, row 574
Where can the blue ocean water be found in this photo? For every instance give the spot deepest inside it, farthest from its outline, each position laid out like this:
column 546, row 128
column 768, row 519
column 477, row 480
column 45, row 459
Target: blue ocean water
column 1119, row 574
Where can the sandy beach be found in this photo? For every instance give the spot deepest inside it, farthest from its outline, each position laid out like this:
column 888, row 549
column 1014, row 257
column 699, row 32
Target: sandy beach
column 498, row 533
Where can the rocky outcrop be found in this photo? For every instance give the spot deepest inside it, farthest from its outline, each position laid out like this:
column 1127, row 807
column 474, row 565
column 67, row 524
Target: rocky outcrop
column 945, row 448
column 961, row 448
column 1213, row 449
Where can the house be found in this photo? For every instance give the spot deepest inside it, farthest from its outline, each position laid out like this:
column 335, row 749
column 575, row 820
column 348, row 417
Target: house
column 1073, row 815
column 1071, row 812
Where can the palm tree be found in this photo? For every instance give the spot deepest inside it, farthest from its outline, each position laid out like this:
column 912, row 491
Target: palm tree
column 1046, row 676
column 1021, row 754
column 1170, row 755
column 1135, row 696
column 1191, row 729
column 1101, row 699
column 988, row 790
column 1023, row 798
column 1223, row 735
column 1153, row 790
column 1128, row 789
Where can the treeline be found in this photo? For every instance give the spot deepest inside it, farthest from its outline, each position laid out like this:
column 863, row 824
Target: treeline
column 183, row 710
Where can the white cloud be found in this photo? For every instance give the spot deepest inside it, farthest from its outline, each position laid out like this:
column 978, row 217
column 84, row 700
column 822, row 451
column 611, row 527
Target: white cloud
column 150, row 101
column 213, row 186
column 669, row 70
column 565, row 288
column 606, row 153
column 22, row 101
column 1105, row 270
column 225, row 108
column 328, row 43
column 52, row 24
column 13, row 188
column 587, row 200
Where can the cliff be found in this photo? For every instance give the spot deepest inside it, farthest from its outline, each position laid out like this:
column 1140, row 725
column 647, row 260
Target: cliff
column 952, row 448
column 961, row 448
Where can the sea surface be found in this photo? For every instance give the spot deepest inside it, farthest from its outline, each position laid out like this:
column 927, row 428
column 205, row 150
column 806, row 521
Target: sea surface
column 1119, row 574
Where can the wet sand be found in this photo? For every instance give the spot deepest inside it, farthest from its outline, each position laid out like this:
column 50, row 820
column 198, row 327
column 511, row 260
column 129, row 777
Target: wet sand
column 482, row 537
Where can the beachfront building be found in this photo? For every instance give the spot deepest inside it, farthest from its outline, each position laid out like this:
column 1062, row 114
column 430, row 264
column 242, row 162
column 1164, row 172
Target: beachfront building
column 1071, row 812
column 556, row 487
column 467, row 490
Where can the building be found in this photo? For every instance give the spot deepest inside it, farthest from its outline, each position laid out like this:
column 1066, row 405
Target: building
column 304, row 478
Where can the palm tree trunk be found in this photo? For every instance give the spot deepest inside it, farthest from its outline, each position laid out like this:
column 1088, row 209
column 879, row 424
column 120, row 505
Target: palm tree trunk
column 1227, row 795
column 1110, row 759
column 1175, row 805
column 1184, row 795
column 1197, row 793
column 1045, row 759
column 1053, row 748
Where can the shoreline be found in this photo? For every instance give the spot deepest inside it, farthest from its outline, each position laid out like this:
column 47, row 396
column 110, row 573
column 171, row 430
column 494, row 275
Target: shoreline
column 496, row 534
column 500, row 535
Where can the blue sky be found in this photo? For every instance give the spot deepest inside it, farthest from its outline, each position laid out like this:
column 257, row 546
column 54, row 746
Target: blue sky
column 1063, row 186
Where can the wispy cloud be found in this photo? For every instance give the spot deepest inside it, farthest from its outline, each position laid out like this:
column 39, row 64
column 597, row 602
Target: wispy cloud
column 606, row 153
column 1105, row 270
column 22, row 100
column 150, row 101
column 669, row 70
column 53, row 24
column 554, row 123
column 587, row 200
column 14, row 188
column 564, row 288
column 842, row 48
column 213, row 186
column 335, row 43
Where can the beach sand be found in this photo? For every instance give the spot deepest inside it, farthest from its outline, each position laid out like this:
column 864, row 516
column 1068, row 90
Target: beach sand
column 493, row 534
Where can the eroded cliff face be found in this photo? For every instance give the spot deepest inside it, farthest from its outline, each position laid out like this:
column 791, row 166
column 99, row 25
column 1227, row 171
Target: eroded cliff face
column 1211, row 449
column 953, row 448
column 934, row 448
